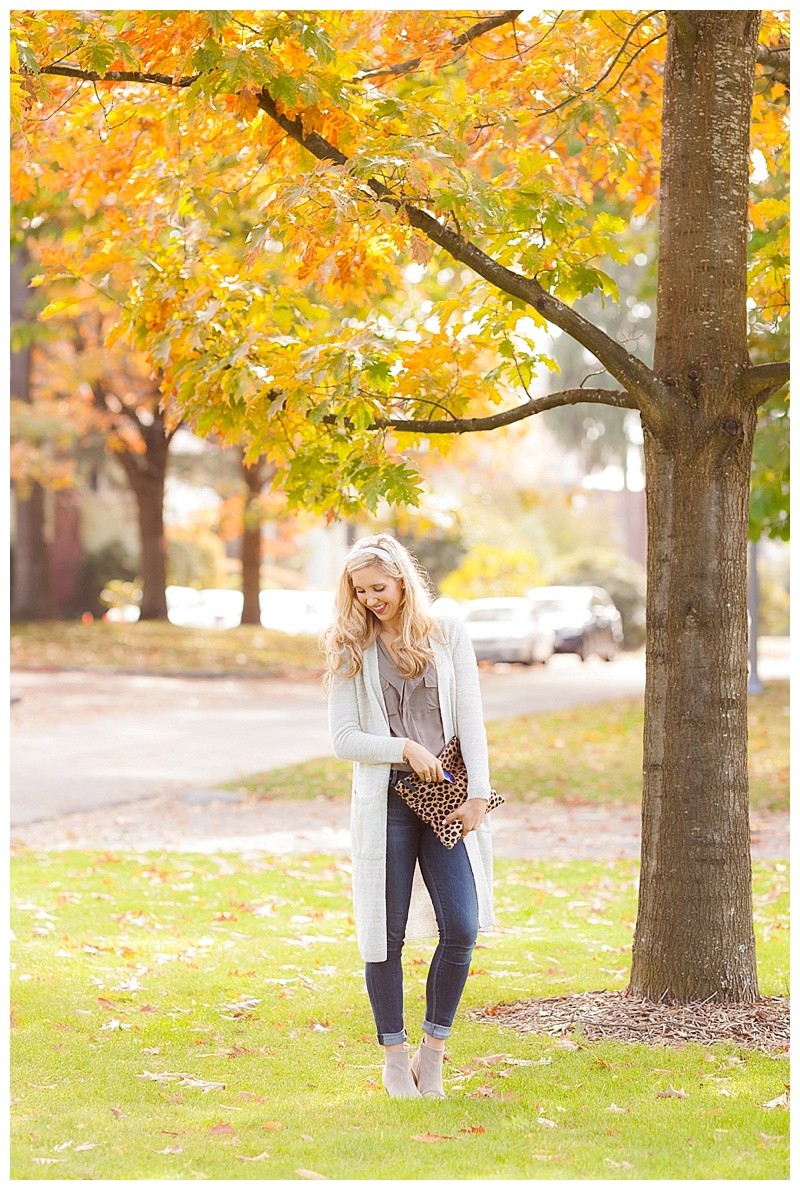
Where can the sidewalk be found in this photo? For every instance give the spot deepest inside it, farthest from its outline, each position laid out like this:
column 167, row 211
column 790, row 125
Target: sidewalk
column 214, row 821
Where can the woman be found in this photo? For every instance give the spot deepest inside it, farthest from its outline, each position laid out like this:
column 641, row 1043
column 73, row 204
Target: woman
column 402, row 684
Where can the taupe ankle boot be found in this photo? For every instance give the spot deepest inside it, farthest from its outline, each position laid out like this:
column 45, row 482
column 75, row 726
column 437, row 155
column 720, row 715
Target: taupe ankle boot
column 426, row 1068
column 397, row 1075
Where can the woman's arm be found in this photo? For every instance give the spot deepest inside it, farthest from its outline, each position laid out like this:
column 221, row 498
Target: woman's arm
column 348, row 740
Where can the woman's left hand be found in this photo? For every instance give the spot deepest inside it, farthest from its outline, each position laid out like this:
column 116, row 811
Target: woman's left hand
column 470, row 814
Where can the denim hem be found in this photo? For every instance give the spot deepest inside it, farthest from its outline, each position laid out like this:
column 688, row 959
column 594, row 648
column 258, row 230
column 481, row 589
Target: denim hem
column 392, row 1038
column 436, row 1030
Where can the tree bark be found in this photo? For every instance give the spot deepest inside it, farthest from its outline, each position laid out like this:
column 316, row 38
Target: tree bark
column 31, row 576
column 694, row 931
column 255, row 476
column 147, row 476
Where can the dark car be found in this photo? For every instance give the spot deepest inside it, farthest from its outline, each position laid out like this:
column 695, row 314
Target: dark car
column 585, row 620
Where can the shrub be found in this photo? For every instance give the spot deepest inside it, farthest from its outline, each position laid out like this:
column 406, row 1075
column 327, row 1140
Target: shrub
column 106, row 565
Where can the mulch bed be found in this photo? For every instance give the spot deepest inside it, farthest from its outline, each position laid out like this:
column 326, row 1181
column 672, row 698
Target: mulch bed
column 616, row 1016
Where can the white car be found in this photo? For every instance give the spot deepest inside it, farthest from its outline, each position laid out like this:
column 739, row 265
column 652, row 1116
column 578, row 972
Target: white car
column 296, row 612
column 210, row 608
column 508, row 629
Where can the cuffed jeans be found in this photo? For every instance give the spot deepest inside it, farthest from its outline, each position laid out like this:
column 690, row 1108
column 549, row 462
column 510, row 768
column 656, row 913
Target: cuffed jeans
column 448, row 877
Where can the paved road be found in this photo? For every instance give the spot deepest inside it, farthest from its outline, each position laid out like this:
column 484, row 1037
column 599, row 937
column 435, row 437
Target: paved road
column 81, row 742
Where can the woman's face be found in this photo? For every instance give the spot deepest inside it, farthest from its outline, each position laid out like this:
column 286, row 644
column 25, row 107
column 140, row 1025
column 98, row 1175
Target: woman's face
column 379, row 593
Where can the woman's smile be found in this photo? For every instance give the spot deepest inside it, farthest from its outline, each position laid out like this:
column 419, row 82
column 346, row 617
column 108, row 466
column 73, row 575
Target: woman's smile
column 379, row 593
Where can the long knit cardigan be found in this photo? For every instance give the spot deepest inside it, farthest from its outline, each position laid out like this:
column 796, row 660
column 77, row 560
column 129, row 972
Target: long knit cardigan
column 360, row 732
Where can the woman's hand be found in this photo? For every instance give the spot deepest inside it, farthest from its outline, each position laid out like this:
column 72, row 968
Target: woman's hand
column 470, row 813
column 423, row 762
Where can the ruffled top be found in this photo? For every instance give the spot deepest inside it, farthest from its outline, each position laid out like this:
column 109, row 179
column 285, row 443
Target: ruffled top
column 412, row 704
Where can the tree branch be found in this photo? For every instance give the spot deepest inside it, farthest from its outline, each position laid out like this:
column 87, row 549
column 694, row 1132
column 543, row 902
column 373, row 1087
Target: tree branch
column 471, row 425
column 764, row 380
column 119, row 76
column 651, row 396
column 501, row 18
column 776, row 58
column 646, row 392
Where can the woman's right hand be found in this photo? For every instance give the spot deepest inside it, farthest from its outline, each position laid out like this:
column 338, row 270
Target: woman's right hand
column 423, row 762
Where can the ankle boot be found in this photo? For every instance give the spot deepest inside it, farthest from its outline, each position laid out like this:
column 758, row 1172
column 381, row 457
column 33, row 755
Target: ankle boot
column 426, row 1068
column 397, row 1075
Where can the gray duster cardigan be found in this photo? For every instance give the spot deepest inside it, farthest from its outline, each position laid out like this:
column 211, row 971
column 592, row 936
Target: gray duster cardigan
column 360, row 732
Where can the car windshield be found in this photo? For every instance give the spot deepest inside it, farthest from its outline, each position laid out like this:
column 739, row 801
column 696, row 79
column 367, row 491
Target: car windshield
column 495, row 614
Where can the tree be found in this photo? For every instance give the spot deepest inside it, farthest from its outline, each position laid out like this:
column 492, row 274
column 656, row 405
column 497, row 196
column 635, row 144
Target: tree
column 32, row 591
column 491, row 146
column 255, row 474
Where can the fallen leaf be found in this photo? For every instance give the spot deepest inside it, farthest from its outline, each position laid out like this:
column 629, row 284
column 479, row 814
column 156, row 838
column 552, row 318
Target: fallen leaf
column 780, row 1101
column 172, row 1150
column 272, row 1125
column 431, row 1137
column 310, row 1173
column 116, row 1112
column 543, row 1120
column 671, row 1093
column 223, row 1128
column 613, row 1107
column 473, row 1128
column 258, row 1157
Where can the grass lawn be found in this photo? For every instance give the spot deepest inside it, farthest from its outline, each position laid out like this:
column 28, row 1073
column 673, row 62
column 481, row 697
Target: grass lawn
column 186, row 1016
column 591, row 753
column 153, row 647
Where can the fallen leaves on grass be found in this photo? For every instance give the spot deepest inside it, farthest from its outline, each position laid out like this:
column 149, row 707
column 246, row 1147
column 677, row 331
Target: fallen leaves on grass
column 431, row 1137
column 672, row 1093
column 258, row 1157
column 222, row 1128
column 185, row 1080
column 780, row 1101
column 311, row 1173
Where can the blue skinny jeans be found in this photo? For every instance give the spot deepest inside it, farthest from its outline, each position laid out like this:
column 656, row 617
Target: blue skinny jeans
column 448, row 877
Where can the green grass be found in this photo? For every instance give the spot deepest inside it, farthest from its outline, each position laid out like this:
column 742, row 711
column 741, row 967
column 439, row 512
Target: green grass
column 243, row 974
column 154, row 647
column 591, row 754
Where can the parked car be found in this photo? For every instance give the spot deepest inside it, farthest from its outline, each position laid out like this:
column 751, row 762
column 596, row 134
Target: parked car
column 508, row 629
column 584, row 620
column 213, row 607
column 296, row 611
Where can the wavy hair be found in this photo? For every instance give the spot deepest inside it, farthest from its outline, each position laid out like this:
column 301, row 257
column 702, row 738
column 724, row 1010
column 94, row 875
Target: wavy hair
column 355, row 628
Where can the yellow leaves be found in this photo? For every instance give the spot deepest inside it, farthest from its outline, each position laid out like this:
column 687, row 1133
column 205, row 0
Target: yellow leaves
column 246, row 102
column 768, row 210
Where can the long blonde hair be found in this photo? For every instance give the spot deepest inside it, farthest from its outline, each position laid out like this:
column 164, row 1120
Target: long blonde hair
column 355, row 628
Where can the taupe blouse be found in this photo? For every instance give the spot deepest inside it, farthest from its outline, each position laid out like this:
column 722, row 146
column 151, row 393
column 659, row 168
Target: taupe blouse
column 412, row 705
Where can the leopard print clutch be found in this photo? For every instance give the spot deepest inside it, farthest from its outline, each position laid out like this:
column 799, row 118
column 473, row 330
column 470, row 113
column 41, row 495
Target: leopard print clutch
column 432, row 801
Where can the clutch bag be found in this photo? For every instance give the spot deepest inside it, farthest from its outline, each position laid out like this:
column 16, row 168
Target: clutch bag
column 432, row 801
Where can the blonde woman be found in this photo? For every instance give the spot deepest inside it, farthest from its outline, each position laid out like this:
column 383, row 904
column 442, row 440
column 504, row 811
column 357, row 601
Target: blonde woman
column 401, row 684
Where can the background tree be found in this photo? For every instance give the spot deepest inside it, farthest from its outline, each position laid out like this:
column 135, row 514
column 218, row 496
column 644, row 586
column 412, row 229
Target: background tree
column 383, row 136
column 31, row 580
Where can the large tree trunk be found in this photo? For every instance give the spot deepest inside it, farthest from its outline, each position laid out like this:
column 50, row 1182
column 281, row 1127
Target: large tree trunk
column 31, row 579
column 694, row 931
column 147, row 476
column 255, row 476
